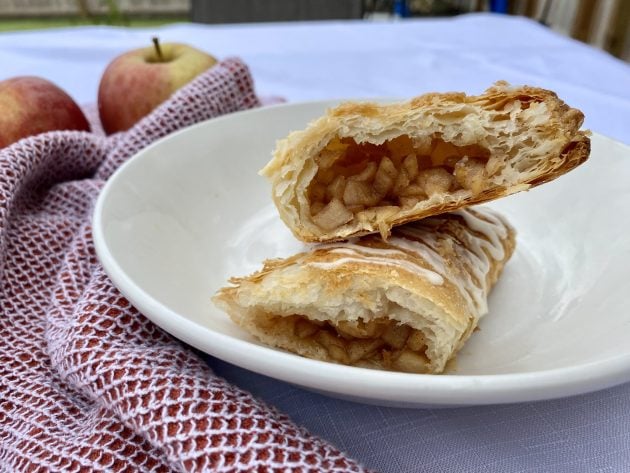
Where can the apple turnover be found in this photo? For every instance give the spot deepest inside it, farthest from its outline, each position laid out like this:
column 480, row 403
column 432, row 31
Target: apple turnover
column 364, row 168
column 405, row 304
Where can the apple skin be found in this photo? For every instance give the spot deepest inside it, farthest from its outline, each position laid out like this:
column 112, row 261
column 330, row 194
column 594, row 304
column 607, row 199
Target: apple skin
column 32, row 105
column 137, row 82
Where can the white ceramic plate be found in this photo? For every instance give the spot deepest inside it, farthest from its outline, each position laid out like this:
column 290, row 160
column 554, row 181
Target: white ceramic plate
column 190, row 211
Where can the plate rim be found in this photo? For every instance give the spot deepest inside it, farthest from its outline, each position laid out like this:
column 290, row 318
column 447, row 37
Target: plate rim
column 419, row 389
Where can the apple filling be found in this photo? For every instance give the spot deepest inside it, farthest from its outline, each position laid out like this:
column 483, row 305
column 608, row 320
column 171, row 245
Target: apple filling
column 353, row 177
column 382, row 342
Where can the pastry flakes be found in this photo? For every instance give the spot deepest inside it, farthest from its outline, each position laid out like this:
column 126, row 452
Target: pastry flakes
column 405, row 304
column 364, row 168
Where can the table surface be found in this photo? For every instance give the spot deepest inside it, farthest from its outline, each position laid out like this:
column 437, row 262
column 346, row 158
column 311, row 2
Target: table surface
column 305, row 61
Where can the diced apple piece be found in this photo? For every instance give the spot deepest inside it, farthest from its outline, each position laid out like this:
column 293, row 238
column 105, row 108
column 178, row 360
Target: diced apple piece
column 367, row 174
column 416, row 341
column 435, row 181
column 470, row 173
column 333, row 215
column 396, row 335
column 410, row 362
column 360, row 193
column 385, row 176
column 410, row 165
column 335, row 188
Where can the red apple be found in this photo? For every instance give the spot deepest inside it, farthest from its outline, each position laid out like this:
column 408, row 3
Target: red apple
column 31, row 105
column 138, row 81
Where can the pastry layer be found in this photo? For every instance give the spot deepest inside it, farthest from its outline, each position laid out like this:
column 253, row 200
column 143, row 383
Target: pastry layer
column 405, row 304
column 364, row 168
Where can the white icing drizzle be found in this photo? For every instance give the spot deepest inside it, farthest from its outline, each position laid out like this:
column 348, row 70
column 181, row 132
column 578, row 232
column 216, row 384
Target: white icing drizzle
column 351, row 248
column 422, row 249
column 380, row 255
column 492, row 229
column 471, row 291
column 432, row 277
column 423, row 242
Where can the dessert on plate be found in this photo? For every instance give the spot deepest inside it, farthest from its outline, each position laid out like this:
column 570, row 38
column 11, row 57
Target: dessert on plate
column 364, row 168
column 402, row 265
column 407, row 304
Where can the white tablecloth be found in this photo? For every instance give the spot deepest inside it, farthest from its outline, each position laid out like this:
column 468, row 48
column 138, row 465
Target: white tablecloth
column 361, row 59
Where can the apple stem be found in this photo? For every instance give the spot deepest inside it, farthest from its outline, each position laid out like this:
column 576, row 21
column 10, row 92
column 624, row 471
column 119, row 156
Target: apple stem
column 158, row 50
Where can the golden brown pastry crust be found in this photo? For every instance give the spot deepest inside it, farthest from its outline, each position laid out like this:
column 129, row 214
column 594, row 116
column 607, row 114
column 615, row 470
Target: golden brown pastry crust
column 532, row 137
column 432, row 277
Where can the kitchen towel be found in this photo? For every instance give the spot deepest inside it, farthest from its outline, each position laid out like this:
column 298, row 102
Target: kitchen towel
column 86, row 382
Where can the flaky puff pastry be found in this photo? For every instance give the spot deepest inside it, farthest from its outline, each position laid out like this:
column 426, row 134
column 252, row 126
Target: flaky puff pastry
column 405, row 304
column 364, row 168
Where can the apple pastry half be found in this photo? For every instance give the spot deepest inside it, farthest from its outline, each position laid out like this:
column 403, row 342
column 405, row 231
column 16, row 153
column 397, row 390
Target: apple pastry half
column 364, row 168
column 405, row 304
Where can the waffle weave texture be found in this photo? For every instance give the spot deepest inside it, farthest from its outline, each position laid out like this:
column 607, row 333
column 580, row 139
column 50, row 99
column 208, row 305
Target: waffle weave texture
column 86, row 382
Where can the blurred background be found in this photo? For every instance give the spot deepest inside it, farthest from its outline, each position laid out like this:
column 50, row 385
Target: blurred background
column 602, row 23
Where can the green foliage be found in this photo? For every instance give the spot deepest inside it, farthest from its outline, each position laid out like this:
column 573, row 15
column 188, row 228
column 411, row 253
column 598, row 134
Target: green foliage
column 113, row 16
column 62, row 22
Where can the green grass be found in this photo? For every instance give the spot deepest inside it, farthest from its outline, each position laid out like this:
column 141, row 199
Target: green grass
column 43, row 23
